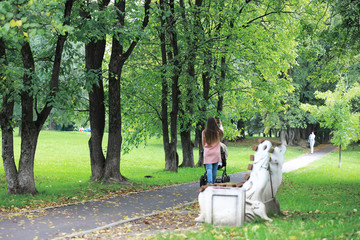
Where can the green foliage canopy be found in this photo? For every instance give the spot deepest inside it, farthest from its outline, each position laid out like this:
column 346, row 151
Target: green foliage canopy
column 337, row 113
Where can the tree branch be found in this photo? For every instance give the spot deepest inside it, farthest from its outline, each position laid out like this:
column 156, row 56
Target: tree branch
column 262, row 16
column 148, row 103
column 144, row 24
column 54, row 83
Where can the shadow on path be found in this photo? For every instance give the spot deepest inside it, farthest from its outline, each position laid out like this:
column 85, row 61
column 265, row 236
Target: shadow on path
column 59, row 222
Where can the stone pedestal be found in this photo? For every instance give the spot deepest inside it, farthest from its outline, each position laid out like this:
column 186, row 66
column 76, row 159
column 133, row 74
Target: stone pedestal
column 225, row 206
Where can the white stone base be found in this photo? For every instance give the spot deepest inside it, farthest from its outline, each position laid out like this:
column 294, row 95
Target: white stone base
column 223, row 206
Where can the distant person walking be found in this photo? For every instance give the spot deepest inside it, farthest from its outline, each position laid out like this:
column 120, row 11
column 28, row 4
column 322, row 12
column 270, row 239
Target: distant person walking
column 312, row 141
column 211, row 137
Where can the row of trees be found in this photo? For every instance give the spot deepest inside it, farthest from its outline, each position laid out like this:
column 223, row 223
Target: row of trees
column 160, row 68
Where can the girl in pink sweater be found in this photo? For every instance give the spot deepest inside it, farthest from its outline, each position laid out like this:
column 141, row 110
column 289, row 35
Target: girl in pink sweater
column 211, row 137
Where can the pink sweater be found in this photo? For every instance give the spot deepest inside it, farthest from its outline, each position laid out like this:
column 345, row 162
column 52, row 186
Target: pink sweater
column 211, row 152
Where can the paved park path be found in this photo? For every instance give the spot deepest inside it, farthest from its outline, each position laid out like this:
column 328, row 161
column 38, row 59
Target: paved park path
column 69, row 220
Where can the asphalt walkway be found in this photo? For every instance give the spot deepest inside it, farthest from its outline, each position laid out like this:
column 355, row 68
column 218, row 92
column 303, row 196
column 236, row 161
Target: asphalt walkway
column 306, row 159
column 70, row 220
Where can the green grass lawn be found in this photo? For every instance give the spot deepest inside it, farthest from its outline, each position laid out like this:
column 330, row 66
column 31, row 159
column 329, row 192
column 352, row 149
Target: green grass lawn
column 320, row 201
column 62, row 169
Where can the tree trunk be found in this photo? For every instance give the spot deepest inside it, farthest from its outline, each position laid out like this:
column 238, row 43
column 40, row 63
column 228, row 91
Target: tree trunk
column 172, row 162
column 52, row 123
column 206, row 90
column 187, row 149
column 117, row 62
column 296, row 135
column 197, row 139
column 94, row 55
column 199, row 128
column 175, row 92
column 290, row 136
column 221, row 83
column 326, row 138
column 23, row 181
column 97, row 125
column 112, row 162
column 30, row 129
column 29, row 138
column 185, row 130
column 283, row 137
column 170, row 148
column 185, row 135
column 7, row 137
column 339, row 156
column 164, row 87
column 303, row 134
column 8, row 144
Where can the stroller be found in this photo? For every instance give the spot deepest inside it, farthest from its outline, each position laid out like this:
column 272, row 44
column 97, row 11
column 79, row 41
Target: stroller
column 222, row 165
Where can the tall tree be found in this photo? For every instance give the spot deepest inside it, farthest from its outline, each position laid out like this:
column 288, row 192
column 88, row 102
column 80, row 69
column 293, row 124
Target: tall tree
column 188, row 92
column 6, row 123
column 117, row 61
column 227, row 65
column 94, row 55
column 168, row 36
column 251, row 45
column 22, row 181
column 337, row 114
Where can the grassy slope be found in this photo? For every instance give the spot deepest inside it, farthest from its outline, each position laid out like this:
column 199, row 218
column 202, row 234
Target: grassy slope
column 320, row 201
column 62, row 169
column 323, row 200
